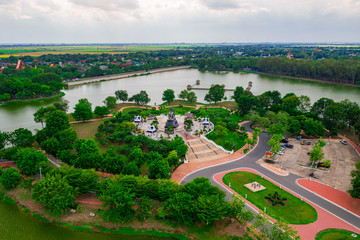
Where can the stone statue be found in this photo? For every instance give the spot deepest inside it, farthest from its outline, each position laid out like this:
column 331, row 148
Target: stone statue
column 171, row 119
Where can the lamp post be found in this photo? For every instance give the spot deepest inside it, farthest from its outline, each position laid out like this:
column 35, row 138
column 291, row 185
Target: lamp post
column 323, row 110
column 40, row 174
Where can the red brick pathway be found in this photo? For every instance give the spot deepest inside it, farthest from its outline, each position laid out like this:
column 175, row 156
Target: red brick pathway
column 336, row 196
column 307, row 232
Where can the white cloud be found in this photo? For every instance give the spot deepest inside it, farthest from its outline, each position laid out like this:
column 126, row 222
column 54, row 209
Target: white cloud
column 179, row 20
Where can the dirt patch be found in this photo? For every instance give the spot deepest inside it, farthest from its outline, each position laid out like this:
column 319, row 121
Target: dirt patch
column 342, row 157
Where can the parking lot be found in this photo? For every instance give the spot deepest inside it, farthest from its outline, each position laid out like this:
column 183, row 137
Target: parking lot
column 342, row 157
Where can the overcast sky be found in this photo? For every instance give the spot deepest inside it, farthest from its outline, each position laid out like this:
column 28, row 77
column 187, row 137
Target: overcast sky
column 168, row 21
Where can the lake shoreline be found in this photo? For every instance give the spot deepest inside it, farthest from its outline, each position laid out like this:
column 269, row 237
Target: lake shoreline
column 60, row 94
column 124, row 75
column 305, row 79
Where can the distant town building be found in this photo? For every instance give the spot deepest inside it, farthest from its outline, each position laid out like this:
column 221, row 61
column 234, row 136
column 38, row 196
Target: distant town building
column 289, row 55
column 104, row 67
column 20, row 65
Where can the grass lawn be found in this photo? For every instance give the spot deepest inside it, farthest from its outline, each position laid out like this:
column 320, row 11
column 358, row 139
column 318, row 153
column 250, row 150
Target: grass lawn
column 131, row 109
column 335, row 234
column 227, row 139
column 228, row 104
column 86, row 130
column 295, row 211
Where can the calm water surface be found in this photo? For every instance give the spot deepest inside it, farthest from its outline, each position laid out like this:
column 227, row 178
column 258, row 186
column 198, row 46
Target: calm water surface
column 15, row 115
column 18, row 225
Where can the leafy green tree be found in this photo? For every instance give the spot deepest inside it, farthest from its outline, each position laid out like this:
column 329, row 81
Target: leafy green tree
column 188, row 95
column 277, row 128
column 56, row 122
column 316, row 155
column 101, row 111
column 235, row 210
column 295, row 127
column 41, row 114
column 22, row 137
column 216, row 94
column 239, row 91
column 202, row 186
column 145, row 208
column 51, row 146
column 191, row 97
column 173, row 158
column 4, row 136
column 168, row 95
column 320, row 105
column 275, row 231
column 210, row 208
column 305, row 104
column 141, row 98
column 291, row 102
column 63, row 105
column 82, row 110
column 10, row 178
column 67, row 138
column 121, row 95
column 246, row 103
column 159, row 167
column 183, row 94
column 84, row 180
column 118, row 203
column 110, row 102
column 355, row 182
column 313, row 128
column 55, row 193
column 28, row 160
column 180, row 206
column 274, row 143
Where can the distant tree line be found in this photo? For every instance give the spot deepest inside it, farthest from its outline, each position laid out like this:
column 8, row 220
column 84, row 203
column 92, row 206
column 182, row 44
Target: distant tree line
column 332, row 70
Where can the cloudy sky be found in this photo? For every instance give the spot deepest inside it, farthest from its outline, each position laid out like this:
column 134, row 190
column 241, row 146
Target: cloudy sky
column 168, row 21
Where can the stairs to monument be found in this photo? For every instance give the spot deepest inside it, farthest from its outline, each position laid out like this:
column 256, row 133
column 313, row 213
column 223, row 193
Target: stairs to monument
column 201, row 150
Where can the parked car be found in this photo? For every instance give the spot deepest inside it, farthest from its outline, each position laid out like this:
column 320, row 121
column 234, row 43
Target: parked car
column 305, row 143
column 288, row 145
column 280, row 152
column 283, row 146
column 284, row 140
column 344, row 142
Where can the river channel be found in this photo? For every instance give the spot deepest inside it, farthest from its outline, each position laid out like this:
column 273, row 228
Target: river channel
column 19, row 225
column 14, row 115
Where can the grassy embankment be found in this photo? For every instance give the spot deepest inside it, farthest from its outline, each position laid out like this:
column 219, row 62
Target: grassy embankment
column 153, row 226
column 295, row 211
column 335, row 234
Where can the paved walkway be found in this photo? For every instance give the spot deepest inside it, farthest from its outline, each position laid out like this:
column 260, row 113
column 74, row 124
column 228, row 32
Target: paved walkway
column 336, row 196
column 275, row 170
column 325, row 219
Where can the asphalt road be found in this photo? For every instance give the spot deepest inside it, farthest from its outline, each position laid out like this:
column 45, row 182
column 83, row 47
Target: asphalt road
column 249, row 161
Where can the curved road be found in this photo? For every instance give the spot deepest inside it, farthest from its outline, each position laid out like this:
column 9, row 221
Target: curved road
column 249, row 161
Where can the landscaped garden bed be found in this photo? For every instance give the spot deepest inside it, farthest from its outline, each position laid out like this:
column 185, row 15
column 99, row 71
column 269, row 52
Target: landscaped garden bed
column 294, row 210
column 335, row 234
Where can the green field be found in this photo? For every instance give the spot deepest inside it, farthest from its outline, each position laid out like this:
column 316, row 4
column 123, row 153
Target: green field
column 295, row 211
column 112, row 49
column 336, row 234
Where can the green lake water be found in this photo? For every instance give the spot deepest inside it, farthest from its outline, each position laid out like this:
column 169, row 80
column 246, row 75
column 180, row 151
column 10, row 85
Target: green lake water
column 16, row 224
column 20, row 114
